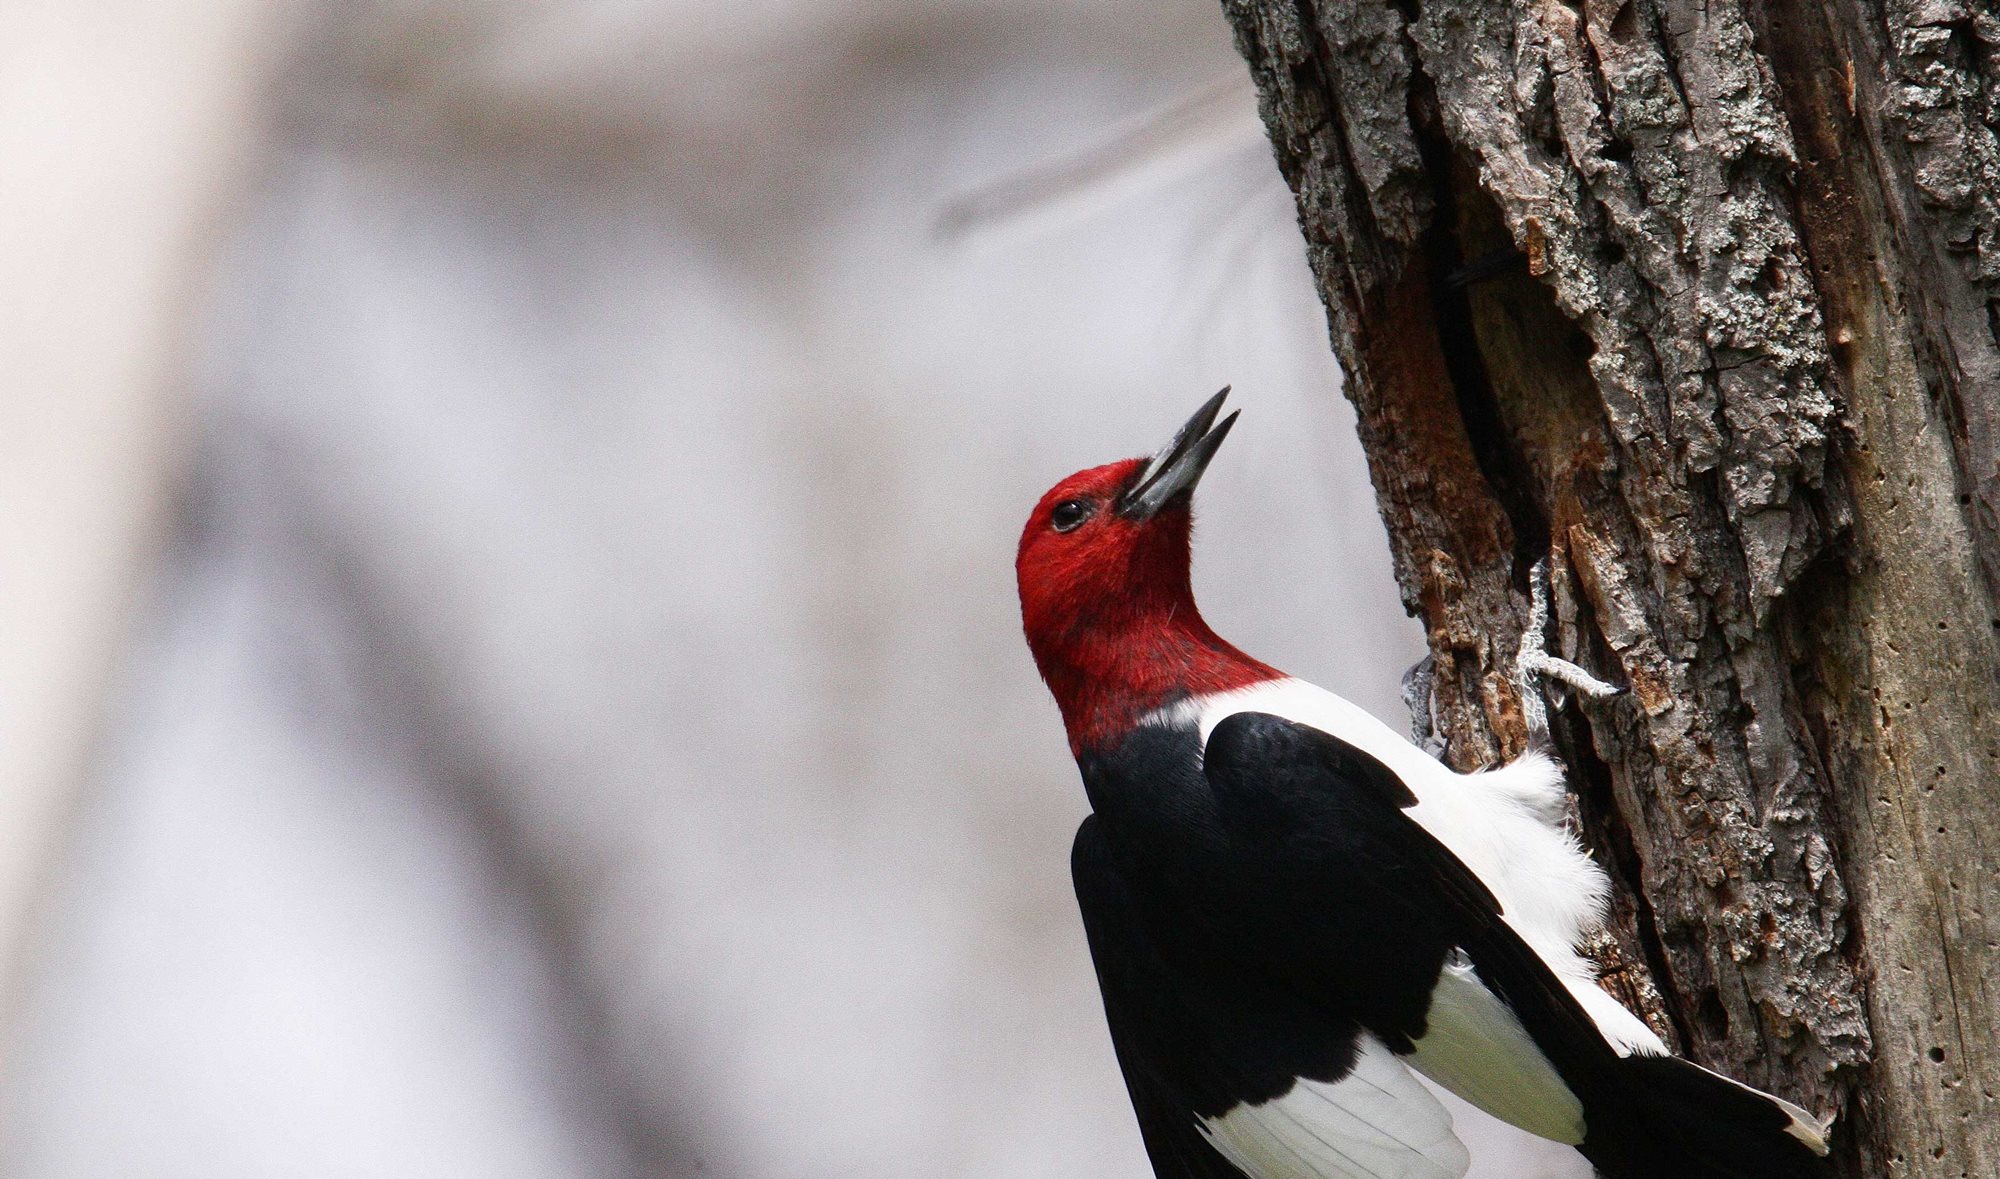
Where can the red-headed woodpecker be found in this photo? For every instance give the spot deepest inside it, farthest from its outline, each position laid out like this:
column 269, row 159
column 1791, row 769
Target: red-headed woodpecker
column 1322, row 952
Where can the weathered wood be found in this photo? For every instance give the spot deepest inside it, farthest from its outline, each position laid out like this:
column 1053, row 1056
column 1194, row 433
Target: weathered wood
column 1743, row 386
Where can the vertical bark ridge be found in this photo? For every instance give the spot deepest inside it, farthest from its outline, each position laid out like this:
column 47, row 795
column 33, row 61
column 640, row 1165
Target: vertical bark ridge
column 1903, row 705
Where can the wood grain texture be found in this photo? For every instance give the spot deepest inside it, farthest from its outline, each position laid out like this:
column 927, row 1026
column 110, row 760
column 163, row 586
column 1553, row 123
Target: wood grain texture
column 1736, row 369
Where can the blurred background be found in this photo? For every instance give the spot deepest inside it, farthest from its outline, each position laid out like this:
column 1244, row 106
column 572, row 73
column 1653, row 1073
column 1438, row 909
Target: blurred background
column 512, row 663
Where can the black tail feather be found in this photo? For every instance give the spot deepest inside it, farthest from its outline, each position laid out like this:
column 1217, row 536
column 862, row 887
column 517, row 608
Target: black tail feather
column 1671, row 1119
column 1649, row 1117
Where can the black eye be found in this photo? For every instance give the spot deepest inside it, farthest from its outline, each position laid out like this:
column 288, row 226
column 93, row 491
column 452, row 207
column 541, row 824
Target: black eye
column 1070, row 513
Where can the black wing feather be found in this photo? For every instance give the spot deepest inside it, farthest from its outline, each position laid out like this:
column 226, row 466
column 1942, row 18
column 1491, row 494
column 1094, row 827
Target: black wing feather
column 1280, row 786
column 1141, row 1008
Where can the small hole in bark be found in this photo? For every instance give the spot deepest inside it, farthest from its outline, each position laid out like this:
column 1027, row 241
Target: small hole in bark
column 1712, row 1015
column 1964, row 42
column 1548, row 133
column 1618, row 150
column 1937, row 1055
column 1625, row 23
column 1770, row 277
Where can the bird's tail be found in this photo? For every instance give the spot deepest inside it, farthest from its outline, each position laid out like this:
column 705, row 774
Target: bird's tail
column 1677, row 1120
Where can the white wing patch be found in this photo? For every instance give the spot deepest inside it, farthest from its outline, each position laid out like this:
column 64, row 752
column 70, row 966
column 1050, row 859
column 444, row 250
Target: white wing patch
column 1474, row 1046
column 1377, row 1122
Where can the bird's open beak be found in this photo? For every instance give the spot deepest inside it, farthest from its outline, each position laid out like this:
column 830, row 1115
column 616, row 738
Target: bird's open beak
column 1175, row 470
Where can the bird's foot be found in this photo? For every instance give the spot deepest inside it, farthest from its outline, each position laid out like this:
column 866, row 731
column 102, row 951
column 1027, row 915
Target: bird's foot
column 1417, row 698
column 1533, row 662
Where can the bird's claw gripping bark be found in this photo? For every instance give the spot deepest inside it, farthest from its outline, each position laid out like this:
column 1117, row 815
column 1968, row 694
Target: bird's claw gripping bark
column 1534, row 662
column 1417, row 698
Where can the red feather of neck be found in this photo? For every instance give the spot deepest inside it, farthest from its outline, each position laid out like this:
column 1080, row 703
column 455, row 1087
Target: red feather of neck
column 1116, row 635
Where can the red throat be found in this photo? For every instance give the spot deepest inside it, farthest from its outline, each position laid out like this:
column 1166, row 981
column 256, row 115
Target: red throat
column 1107, row 682
column 1110, row 615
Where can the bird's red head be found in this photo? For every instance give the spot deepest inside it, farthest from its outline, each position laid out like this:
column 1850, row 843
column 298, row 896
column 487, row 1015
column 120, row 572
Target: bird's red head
column 1105, row 594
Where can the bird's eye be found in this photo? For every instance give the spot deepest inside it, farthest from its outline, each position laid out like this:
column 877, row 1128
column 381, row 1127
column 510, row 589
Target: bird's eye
column 1069, row 514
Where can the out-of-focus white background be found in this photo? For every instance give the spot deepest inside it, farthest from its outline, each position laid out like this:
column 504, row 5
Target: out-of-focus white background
column 512, row 665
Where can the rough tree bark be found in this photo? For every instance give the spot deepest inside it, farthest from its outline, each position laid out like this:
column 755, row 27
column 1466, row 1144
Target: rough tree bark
column 1701, row 300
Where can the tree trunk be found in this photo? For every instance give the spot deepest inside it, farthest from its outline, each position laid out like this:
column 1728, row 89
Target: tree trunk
column 1700, row 299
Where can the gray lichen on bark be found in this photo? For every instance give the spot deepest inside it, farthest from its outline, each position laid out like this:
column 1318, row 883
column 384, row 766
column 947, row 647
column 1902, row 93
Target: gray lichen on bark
column 1751, row 362
column 1945, row 102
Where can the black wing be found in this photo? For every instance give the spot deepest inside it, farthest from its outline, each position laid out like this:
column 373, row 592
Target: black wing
column 1231, row 1071
column 1352, row 897
column 1151, row 1029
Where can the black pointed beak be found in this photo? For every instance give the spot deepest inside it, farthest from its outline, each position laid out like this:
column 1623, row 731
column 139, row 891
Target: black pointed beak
column 1175, row 470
